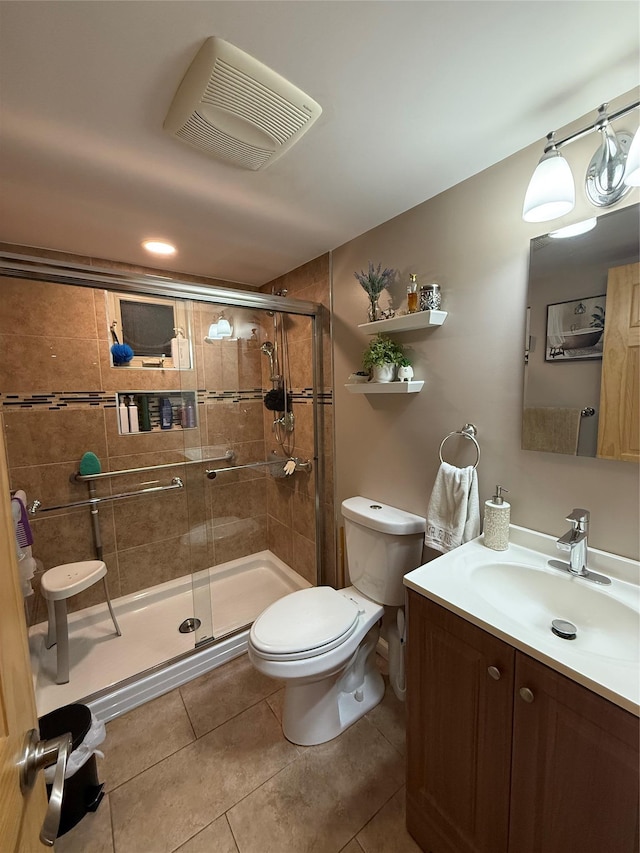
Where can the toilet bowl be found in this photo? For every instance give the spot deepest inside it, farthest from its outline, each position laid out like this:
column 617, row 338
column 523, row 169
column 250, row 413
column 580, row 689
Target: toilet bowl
column 321, row 642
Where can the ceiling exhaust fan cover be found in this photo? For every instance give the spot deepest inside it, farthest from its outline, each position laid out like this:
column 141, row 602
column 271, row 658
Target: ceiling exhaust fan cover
column 237, row 109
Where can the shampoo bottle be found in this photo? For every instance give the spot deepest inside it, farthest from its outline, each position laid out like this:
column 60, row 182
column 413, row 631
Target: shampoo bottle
column 190, row 413
column 134, row 425
column 497, row 514
column 145, row 417
column 123, row 414
column 166, row 414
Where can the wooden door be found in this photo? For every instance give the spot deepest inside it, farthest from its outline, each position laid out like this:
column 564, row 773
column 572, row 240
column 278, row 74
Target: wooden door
column 20, row 817
column 575, row 768
column 619, row 422
column 459, row 722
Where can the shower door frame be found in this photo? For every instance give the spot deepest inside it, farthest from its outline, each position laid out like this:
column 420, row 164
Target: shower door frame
column 25, row 266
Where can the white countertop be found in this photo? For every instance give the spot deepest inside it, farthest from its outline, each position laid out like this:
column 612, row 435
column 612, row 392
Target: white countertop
column 605, row 654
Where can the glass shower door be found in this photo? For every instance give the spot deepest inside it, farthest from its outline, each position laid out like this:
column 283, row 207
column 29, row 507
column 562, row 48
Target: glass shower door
column 251, row 522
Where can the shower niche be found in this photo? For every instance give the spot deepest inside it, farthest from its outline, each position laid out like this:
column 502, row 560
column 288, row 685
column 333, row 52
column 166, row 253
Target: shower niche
column 158, row 411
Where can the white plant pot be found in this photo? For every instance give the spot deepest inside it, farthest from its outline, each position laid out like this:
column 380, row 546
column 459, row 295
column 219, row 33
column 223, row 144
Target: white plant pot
column 383, row 372
column 405, row 374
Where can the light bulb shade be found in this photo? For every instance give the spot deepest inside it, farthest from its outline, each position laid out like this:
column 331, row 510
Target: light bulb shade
column 632, row 168
column 551, row 192
column 575, row 230
column 224, row 329
column 213, row 334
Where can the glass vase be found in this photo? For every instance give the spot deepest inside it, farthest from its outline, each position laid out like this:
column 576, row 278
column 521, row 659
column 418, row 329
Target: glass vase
column 374, row 309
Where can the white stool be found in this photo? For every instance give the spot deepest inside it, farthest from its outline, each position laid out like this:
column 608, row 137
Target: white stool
column 58, row 584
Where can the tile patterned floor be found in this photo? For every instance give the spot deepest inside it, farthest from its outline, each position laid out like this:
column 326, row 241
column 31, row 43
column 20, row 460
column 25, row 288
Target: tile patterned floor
column 206, row 769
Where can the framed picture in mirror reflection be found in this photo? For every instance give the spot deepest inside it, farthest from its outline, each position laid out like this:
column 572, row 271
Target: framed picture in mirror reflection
column 575, row 329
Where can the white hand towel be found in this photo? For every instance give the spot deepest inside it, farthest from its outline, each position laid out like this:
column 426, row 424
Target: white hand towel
column 453, row 516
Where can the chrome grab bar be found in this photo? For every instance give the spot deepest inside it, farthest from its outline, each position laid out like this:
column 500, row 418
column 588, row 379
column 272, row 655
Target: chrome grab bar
column 301, row 465
column 76, row 477
column 38, row 754
column 176, row 483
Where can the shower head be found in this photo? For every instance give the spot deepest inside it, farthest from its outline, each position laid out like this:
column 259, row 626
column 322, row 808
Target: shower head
column 269, row 350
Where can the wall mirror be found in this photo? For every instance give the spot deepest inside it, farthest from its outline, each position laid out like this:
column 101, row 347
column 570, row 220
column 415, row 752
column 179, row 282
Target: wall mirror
column 582, row 341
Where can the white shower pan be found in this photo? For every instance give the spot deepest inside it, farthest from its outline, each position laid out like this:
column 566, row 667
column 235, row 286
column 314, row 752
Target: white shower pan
column 152, row 656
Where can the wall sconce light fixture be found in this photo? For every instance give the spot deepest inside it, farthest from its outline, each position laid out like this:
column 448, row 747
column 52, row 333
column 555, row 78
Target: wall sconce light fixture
column 218, row 330
column 613, row 170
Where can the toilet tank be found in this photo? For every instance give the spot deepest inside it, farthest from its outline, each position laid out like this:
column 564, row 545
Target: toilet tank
column 383, row 544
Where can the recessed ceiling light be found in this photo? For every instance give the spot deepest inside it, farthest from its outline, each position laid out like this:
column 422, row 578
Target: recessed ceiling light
column 159, row 247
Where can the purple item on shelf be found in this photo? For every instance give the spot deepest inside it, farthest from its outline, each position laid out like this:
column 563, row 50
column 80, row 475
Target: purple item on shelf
column 24, row 536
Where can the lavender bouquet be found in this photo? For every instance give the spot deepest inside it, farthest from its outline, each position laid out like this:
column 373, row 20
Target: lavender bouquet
column 374, row 281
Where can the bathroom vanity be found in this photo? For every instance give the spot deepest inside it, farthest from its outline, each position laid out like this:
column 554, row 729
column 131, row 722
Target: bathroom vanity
column 518, row 740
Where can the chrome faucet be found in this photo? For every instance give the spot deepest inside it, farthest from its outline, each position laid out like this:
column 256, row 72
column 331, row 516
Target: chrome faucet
column 576, row 543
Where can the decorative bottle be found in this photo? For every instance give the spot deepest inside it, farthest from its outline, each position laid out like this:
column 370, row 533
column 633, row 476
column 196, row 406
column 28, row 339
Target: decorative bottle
column 497, row 514
column 412, row 294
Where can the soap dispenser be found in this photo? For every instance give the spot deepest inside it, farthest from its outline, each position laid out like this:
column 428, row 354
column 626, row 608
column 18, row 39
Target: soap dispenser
column 497, row 514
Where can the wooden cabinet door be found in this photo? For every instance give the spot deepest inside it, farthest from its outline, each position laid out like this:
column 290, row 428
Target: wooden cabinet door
column 20, row 816
column 459, row 721
column 619, row 423
column 575, row 768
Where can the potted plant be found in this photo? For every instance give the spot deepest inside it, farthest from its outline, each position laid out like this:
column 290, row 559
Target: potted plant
column 382, row 356
column 374, row 282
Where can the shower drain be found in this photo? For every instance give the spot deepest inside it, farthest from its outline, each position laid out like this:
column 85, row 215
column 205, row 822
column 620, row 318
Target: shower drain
column 189, row 625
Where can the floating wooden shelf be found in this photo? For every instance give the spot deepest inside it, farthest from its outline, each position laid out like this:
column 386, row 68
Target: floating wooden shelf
column 386, row 387
column 406, row 322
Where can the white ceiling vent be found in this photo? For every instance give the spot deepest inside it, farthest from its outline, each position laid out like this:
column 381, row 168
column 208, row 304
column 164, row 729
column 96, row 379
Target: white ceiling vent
column 235, row 108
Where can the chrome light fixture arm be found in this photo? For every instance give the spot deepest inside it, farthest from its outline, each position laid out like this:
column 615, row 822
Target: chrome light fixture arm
column 608, row 178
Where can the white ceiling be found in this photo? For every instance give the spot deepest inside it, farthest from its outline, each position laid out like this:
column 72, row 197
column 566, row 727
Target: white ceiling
column 416, row 97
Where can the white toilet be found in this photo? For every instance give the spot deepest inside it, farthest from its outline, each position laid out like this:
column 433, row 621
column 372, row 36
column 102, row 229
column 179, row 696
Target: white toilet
column 321, row 641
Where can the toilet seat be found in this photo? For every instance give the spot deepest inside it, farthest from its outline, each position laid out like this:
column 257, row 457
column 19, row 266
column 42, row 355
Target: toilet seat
column 305, row 624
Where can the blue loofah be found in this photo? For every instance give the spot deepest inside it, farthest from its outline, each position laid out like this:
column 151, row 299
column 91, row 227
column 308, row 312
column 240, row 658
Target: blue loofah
column 122, row 353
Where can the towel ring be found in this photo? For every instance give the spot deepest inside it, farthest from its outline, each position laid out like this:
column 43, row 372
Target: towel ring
column 468, row 431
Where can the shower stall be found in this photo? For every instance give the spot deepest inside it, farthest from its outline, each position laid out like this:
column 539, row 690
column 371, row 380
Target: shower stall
column 205, row 503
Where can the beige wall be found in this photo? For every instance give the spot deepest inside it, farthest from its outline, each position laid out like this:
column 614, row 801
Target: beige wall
column 472, row 240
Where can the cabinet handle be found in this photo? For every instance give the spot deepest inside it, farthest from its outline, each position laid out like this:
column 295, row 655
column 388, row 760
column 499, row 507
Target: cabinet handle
column 494, row 672
column 526, row 694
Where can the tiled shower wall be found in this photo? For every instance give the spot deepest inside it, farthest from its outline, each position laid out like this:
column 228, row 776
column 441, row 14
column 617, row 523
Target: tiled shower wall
column 57, row 391
column 310, row 282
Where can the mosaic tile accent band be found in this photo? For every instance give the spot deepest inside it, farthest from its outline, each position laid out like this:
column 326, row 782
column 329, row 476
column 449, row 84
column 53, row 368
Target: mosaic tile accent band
column 54, row 400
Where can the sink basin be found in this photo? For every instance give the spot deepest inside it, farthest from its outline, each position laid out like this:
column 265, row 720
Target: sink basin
column 536, row 596
column 515, row 595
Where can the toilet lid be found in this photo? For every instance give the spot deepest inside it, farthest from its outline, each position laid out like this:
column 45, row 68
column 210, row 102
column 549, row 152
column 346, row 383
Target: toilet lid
column 309, row 621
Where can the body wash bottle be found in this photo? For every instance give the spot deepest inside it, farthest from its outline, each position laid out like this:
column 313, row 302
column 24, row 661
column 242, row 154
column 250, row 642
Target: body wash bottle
column 180, row 350
column 497, row 514
column 166, row 414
